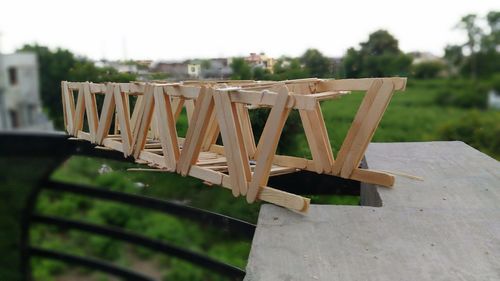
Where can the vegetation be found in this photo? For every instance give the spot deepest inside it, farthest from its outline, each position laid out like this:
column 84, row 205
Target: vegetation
column 427, row 70
column 379, row 56
column 463, row 93
column 478, row 57
column 59, row 65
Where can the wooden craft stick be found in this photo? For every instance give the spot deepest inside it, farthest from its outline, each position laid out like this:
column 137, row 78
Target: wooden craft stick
column 234, row 136
column 309, row 130
column 373, row 177
column 212, row 133
column 65, row 113
column 362, row 84
column 147, row 114
column 246, row 128
column 321, row 138
column 108, row 108
column 167, row 130
column 196, row 131
column 367, row 128
column 356, row 124
column 69, row 107
column 79, row 111
column 135, row 113
column 177, row 106
column 124, row 120
column 228, row 144
column 270, row 137
column 91, row 110
column 189, row 104
column 267, row 194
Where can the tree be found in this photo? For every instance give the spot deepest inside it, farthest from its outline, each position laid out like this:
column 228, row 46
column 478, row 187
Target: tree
column 380, row 42
column 316, row 64
column 480, row 53
column 454, row 58
column 469, row 24
column 379, row 56
column 427, row 70
column 491, row 42
column 62, row 65
column 259, row 73
column 206, row 64
column 241, row 69
column 287, row 68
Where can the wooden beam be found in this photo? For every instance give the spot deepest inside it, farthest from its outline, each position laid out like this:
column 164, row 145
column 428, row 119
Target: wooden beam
column 108, row 108
column 373, row 177
column 167, row 130
column 246, row 129
column 367, row 128
column 136, row 113
column 232, row 137
column 69, row 106
column 124, row 119
column 362, row 84
column 268, row 143
column 228, row 144
column 356, row 124
column 147, row 114
column 79, row 113
column 194, row 137
column 91, row 111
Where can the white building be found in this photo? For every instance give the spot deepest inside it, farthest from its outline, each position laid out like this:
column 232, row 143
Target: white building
column 494, row 99
column 194, row 70
column 420, row 57
column 20, row 105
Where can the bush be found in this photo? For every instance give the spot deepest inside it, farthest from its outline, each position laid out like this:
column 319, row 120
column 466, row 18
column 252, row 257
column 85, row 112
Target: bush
column 427, row 70
column 292, row 128
column 495, row 82
column 464, row 94
column 477, row 129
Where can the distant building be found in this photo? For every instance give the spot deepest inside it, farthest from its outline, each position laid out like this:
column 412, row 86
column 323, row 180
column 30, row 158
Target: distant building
column 261, row 60
column 217, row 68
column 119, row 66
column 176, row 70
column 144, row 63
column 494, row 99
column 194, row 70
column 420, row 57
column 20, row 105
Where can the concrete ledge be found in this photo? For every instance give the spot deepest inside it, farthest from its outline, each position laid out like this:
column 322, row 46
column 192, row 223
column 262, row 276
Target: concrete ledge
column 446, row 227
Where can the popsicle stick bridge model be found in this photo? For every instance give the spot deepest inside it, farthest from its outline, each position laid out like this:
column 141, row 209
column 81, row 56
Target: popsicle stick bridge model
column 145, row 129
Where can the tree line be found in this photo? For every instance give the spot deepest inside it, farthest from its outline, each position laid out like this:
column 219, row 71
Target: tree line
column 380, row 55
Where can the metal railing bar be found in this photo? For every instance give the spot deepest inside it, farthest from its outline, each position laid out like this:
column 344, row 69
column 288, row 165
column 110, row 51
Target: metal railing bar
column 206, row 217
column 90, row 263
column 153, row 244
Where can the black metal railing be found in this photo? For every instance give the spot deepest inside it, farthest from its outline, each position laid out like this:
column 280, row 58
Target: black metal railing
column 232, row 225
column 45, row 152
column 58, row 148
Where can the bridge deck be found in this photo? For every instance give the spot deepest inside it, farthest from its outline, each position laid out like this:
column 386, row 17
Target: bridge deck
column 213, row 161
column 446, row 227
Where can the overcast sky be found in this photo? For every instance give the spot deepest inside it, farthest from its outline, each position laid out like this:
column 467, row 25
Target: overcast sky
column 186, row 29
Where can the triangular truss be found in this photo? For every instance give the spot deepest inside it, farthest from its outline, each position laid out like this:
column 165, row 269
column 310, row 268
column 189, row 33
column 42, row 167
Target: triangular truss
column 222, row 108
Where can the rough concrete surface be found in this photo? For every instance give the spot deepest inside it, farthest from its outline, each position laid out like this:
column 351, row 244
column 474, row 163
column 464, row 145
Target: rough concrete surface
column 446, row 227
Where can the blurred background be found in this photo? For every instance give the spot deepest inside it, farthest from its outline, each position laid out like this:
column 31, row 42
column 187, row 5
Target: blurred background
column 450, row 53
